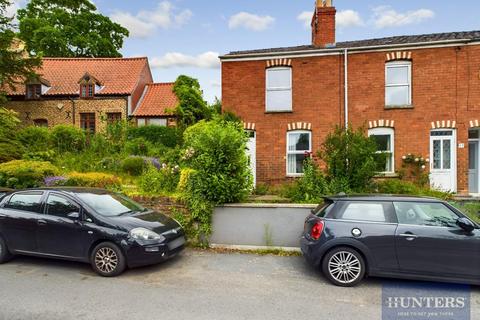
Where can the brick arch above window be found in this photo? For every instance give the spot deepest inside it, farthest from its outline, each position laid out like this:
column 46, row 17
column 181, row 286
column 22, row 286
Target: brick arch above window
column 299, row 126
column 444, row 124
column 399, row 55
column 381, row 124
column 474, row 123
column 279, row 63
column 249, row 126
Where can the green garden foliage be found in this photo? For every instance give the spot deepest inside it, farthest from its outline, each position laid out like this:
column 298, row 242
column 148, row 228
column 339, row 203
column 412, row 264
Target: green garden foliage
column 133, row 166
column 10, row 147
column 166, row 136
column 69, row 28
column 351, row 160
column 35, row 139
column 192, row 107
column 162, row 180
column 92, row 180
column 138, row 146
column 68, row 138
column 400, row 187
column 21, row 174
column 311, row 187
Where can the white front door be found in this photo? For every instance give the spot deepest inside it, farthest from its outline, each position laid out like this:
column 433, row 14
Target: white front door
column 473, row 167
column 252, row 155
column 443, row 166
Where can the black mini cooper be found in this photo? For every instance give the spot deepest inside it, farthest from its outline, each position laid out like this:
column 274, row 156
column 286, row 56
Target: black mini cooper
column 386, row 236
column 105, row 229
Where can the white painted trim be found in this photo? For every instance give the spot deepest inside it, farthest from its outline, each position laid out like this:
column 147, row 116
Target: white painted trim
column 336, row 52
column 294, row 175
column 267, row 89
column 399, row 64
column 391, row 133
column 454, row 147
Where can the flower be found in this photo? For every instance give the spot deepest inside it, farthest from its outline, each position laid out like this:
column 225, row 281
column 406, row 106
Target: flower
column 53, row 181
column 423, row 167
column 427, row 160
column 404, row 157
column 416, row 159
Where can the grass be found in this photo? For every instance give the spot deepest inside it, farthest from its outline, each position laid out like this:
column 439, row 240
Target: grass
column 259, row 252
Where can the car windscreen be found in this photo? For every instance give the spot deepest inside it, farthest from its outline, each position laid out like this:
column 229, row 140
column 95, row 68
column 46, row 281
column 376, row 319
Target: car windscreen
column 110, row 204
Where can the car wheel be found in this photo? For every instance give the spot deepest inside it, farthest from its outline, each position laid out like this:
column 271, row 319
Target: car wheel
column 344, row 267
column 5, row 255
column 108, row 260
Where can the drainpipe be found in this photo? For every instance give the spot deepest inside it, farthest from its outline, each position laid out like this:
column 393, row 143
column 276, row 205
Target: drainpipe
column 73, row 110
column 345, row 71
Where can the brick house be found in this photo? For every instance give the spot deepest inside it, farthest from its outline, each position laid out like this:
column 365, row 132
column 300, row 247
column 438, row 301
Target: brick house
column 417, row 94
column 85, row 91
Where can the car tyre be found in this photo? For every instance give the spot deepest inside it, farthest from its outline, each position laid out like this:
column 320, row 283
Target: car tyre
column 108, row 260
column 344, row 267
column 5, row 254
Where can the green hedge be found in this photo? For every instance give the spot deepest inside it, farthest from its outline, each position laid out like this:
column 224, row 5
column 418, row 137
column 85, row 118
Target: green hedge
column 167, row 136
column 21, row 174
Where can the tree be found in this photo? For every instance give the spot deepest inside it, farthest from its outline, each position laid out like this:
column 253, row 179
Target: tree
column 191, row 108
column 10, row 147
column 15, row 64
column 69, row 28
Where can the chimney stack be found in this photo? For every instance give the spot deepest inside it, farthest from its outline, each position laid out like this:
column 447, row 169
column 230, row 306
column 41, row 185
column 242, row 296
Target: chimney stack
column 323, row 24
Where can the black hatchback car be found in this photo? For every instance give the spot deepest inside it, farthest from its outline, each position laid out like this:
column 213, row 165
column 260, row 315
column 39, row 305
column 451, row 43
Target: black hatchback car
column 386, row 236
column 105, row 229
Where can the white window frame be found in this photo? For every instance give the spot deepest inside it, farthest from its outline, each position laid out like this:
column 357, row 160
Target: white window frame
column 384, row 132
column 297, row 152
column 399, row 64
column 269, row 89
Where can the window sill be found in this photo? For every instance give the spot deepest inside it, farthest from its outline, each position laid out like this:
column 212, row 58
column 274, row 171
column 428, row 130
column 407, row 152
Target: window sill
column 409, row 106
column 298, row 175
column 387, row 175
column 285, row 111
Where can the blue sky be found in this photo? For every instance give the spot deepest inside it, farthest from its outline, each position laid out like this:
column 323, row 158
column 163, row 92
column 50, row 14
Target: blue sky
column 186, row 36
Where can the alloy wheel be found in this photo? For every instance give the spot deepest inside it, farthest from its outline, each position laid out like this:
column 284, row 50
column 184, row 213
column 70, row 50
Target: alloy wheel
column 344, row 267
column 106, row 260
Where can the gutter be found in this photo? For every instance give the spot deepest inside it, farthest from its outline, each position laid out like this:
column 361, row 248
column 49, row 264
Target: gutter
column 337, row 51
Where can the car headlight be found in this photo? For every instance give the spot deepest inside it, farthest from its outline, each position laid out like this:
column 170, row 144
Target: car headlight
column 144, row 234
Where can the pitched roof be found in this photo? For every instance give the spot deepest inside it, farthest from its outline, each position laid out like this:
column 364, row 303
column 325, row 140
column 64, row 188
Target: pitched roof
column 118, row 76
column 389, row 41
column 156, row 99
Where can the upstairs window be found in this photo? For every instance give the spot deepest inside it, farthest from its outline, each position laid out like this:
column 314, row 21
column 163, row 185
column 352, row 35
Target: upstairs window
column 299, row 147
column 279, row 89
column 398, row 83
column 33, row 91
column 384, row 137
column 87, row 90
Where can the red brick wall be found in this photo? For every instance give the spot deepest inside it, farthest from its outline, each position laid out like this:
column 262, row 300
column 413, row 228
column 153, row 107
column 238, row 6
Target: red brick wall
column 323, row 32
column 446, row 86
column 145, row 78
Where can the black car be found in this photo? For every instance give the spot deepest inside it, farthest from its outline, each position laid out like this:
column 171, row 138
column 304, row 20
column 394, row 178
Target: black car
column 105, row 229
column 386, row 236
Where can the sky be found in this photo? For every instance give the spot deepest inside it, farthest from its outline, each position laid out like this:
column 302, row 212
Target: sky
column 187, row 36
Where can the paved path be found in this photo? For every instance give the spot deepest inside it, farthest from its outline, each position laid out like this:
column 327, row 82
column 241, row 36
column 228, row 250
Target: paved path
column 196, row 285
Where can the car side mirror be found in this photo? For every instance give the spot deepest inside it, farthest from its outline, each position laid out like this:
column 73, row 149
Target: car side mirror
column 74, row 216
column 465, row 224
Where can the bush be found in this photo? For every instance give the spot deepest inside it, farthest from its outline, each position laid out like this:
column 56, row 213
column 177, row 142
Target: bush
column 35, row 139
column 92, row 180
column 399, row 187
column 167, row 136
column 351, row 159
column 311, row 186
column 48, row 155
column 68, row 138
column 133, row 166
column 159, row 181
column 10, row 147
column 137, row 147
column 21, row 174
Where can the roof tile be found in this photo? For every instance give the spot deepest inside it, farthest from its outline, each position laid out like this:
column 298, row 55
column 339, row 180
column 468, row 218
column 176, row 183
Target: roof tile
column 157, row 98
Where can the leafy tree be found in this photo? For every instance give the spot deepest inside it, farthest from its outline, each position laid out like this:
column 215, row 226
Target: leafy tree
column 69, row 28
column 10, row 147
column 15, row 64
column 192, row 108
column 351, row 159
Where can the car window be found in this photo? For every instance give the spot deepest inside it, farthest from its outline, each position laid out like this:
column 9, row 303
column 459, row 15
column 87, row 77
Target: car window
column 323, row 209
column 60, row 206
column 26, row 201
column 110, row 204
column 425, row 214
column 365, row 211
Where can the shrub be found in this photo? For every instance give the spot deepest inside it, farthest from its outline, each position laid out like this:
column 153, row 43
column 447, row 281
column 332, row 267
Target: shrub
column 133, row 166
column 137, row 147
column 48, row 155
column 192, row 107
column 92, row 180
column 68, row 138
column 167, row 136
column 10, row 147
column 159, row 181
column 35, row 139
column 311, row 186
column 99, row 145
column 351, row 159
column 21, row 174
column 395, row 186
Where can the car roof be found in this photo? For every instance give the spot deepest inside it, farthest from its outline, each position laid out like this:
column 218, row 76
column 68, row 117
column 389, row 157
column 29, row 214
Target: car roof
column 382, row 197
column 74, row 190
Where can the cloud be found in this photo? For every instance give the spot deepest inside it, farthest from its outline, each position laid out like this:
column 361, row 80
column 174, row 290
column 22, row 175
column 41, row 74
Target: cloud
column 344, row 19
column 207, row 60
column 12, row 8
column 144, row 23
column 385, row 16
column 250, row 21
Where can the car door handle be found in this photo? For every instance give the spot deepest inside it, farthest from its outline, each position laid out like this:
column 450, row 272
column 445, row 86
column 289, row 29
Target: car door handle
column 42, row 222
column 409, row 236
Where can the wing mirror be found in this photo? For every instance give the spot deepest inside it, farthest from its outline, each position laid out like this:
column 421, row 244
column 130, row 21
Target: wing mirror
column 74, row 216
column 465, row 224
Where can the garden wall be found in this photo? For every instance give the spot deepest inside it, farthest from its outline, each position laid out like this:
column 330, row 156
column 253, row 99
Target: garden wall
column 259, row 225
